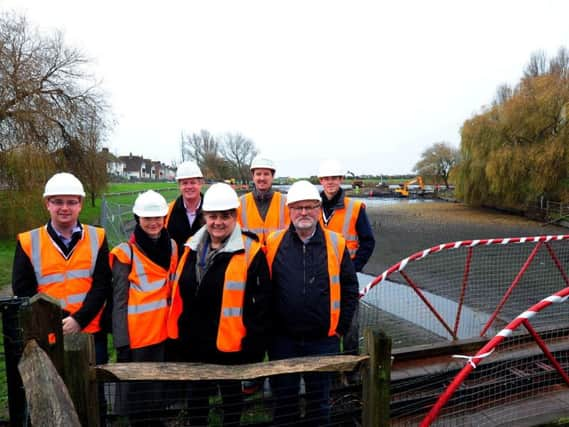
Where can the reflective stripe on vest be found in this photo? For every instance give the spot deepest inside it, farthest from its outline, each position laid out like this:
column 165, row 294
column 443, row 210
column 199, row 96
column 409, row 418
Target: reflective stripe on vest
column 335, row 245
column 231, row 327
column 69, row 274
column 144, row 285
column 148, row 296
column 145, row 308
column 57, row 275
column 73, row 299
column 344, row 221
column 250, row 219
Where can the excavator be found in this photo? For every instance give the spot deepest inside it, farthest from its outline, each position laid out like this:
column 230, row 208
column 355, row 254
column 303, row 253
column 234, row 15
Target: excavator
column 403, row 190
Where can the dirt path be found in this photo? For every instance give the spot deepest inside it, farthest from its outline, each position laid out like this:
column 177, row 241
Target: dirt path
column 402, row 229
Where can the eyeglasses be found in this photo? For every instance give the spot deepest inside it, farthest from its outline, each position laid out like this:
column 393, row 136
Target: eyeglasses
column 305, row 208
column 214, row 216
column 61, row 203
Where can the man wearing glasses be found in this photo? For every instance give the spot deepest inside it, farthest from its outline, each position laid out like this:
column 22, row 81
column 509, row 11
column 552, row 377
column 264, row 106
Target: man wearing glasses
column 66, row 260
column 316, row 291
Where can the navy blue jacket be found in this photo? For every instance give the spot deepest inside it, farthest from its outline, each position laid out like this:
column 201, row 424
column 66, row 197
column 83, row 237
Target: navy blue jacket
column 302, row 288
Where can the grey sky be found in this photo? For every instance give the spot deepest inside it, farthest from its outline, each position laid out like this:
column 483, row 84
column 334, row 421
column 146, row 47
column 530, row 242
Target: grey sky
column 371, row 83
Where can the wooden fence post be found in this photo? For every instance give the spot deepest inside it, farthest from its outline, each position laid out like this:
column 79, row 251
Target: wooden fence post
column 79, row 358
column 376, row 379
column 43, row 324
column 48, row 400
column 25, row 319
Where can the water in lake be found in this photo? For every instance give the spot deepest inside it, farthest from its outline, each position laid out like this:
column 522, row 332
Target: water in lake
column 401, row 301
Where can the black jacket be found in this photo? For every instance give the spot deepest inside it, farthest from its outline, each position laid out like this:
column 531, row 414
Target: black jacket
column 302, row 288
column 24, row 282
column 199, row 321
column 179, row 226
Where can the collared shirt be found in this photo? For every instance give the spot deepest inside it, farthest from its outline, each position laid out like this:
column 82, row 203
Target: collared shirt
column 75, row 235
column 192, row 214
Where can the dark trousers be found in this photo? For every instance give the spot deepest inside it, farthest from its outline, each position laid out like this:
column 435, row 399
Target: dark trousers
column 352, row 337
column 101, row 357
column 286, row 387
column 200, row 391
column 142, row 401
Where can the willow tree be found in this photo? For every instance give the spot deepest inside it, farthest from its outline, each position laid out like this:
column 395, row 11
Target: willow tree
column 516, row 150
column 48, row 101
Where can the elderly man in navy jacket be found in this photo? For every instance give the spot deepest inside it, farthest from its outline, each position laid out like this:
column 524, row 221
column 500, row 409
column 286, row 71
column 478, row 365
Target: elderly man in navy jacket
column 316, row 291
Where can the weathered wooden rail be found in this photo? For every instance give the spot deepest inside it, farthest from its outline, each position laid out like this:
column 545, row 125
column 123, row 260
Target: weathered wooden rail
column 48, row 362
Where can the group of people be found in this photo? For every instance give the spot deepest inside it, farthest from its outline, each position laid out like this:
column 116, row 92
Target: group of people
column 211, row 278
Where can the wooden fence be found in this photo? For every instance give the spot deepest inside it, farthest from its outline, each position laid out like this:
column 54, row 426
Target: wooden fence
column 548, row 211
column 61, row 382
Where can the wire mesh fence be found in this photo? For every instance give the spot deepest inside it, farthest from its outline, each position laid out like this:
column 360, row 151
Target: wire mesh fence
column 116, row 212
column 467, row 289
column 216, row 403
column 469, row 292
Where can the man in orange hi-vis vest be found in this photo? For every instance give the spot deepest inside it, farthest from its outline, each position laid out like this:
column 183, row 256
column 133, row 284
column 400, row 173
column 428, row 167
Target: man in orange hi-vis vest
column 220, row 309
column 143, row 271
column 67, row 260
column 263, row 210
column 348, row 217
column 316, row 291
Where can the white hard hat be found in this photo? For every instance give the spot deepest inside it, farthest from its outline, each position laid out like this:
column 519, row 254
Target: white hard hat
column 262, row 163
column 330, row 168
column 63, row 184
column 150, row 204
column 302, row 190
column 188, row 170
column 220, row 197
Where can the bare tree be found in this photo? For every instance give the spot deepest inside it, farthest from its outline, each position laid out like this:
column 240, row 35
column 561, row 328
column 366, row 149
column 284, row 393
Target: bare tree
column 560, row 63
column 437, row 161
column 537, row 65
column 503, row 93
column 239, row 152
column 203, row 148
column 47, row 99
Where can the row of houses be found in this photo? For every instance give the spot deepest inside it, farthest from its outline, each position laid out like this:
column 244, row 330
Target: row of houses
column 137, row 168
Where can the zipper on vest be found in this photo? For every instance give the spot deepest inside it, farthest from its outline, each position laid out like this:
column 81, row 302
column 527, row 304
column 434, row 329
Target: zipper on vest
column 304, row 268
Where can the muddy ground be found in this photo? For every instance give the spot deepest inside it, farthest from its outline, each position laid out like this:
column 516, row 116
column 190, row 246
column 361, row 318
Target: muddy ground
column 402, row 229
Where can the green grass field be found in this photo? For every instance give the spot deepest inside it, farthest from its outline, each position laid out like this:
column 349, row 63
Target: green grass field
column 89, row 215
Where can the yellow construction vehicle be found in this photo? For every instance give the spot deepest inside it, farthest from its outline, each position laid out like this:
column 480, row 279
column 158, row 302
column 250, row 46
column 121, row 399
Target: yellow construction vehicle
column 403, row 190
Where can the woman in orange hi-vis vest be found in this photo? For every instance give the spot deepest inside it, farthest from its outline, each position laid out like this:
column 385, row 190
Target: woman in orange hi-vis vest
column 221, row 302
column 143, row 270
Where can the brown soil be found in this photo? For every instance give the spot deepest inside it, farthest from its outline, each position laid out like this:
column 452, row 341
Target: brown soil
column 401, row 229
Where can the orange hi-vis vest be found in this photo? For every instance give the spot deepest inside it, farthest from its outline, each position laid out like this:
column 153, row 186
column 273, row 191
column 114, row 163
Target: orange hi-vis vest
column 149, row 294
column 343, row 221
column 335, row 245
column 249, row 218
column 231, row 329
column 169, row 214
column 67, row 280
